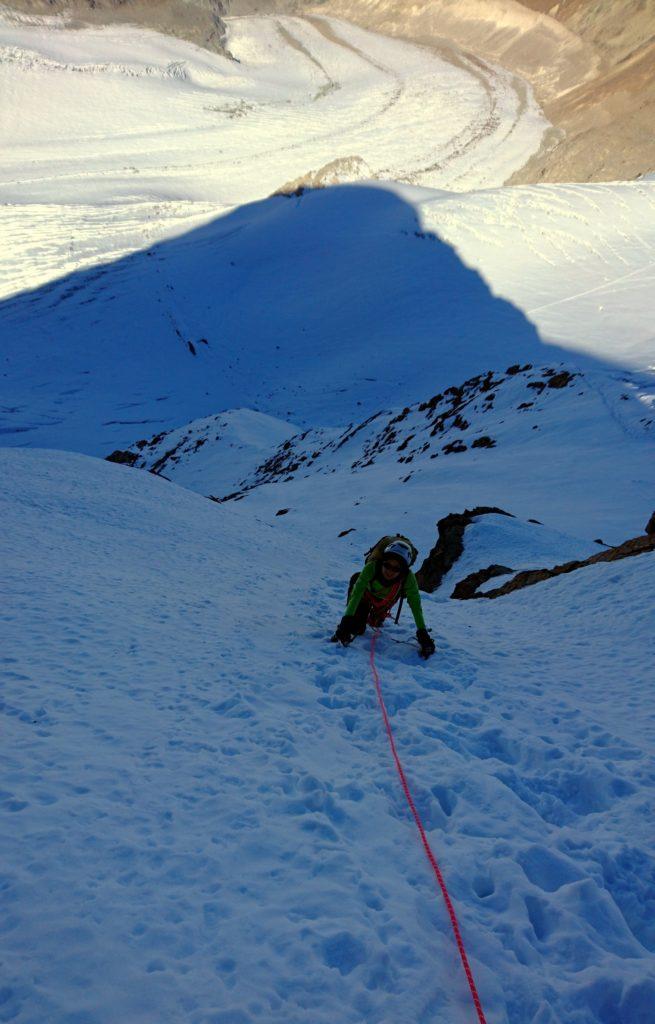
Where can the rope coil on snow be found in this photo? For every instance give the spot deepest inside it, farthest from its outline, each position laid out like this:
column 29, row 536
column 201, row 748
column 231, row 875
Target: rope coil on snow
column 424, row 839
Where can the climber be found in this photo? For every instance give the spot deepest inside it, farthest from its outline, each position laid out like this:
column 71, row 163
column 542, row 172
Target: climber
column 385, row 579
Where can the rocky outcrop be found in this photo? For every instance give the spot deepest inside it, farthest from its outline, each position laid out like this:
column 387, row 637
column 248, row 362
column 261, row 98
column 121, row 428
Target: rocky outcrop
column 123, row 458
column 468, row 587
column 336, row 172
column 449, row 546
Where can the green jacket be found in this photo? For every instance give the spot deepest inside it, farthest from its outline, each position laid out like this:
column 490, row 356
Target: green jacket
column 367, row 581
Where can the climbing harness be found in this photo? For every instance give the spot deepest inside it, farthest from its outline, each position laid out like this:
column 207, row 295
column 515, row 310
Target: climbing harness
column 381, row 606
column 424, row 839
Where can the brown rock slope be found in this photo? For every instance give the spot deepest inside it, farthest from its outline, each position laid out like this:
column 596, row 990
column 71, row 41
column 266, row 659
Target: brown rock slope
column 609, row 121
column 450, row 546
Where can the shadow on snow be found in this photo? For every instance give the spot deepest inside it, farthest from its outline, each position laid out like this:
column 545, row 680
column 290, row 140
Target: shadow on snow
column 319, row 309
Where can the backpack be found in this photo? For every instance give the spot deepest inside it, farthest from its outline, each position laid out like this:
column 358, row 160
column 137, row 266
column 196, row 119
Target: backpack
column 375, row 553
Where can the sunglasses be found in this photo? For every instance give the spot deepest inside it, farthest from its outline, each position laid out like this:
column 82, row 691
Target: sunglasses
column 392, row 567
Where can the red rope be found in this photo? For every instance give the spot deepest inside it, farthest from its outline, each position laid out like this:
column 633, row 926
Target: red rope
column 424, row 839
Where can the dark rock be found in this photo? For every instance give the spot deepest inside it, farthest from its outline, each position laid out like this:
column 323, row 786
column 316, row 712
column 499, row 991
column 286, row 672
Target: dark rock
column 234, row 496
column 344, row 533
column 281, row 511
column 650, row 525
column 431, row 403
column 467, row 587
column 450, row 545
column 454, row 446
column 560, row 380
column 484, row 442
column 401, row 447
column 122, row 458
column 161, row 462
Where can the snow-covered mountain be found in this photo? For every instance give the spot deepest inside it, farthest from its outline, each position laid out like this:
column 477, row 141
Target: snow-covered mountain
column 201, row 820
column 571, row 447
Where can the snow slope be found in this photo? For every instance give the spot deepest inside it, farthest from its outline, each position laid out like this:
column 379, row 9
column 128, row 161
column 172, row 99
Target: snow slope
column 200, row 821
column 203, row 822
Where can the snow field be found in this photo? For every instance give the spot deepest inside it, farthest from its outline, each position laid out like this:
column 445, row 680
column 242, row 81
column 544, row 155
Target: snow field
column 579, row 260
column 211, row 817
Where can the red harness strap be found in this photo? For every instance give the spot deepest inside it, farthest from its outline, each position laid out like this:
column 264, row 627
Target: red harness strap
column 381, row 606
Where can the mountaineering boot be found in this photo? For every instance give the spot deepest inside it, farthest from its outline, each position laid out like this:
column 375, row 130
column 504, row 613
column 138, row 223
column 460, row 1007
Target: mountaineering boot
column 345, row 631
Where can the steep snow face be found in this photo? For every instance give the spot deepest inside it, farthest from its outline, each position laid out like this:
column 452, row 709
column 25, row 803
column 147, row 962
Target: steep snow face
column 578, row 260
column 199, row 801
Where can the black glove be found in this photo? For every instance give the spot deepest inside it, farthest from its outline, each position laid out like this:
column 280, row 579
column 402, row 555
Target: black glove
column 426, row 642
column 344, row 631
